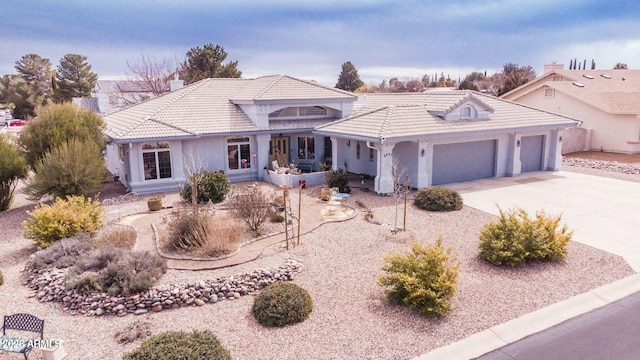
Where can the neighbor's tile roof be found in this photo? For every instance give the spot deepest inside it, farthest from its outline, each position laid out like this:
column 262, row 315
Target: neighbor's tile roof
column 207, row 107
column 408, row 116
column 612, row 91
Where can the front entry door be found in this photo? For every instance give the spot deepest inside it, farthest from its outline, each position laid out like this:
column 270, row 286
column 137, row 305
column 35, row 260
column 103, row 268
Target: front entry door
column 279, row 150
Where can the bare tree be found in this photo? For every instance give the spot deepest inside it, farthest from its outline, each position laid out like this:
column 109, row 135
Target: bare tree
column 147, row 77
column 399, row 176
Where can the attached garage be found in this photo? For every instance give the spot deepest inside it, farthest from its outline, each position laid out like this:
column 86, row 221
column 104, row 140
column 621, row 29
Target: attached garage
column 531, row 151
column 463, row 161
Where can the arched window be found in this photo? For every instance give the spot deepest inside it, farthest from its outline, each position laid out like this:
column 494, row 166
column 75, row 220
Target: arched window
column 468, row 112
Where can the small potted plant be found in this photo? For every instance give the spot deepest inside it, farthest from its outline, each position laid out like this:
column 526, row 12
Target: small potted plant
column 155, row 203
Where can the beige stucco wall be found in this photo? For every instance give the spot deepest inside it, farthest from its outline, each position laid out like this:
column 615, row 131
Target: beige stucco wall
column 607, row 132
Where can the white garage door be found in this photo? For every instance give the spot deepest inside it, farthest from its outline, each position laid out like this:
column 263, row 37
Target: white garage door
column 463, row 161
column 531, row 153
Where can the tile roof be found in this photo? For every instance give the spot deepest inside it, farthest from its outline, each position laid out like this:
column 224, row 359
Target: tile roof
column 409, row 116
column 207, row 107
column 612, row 91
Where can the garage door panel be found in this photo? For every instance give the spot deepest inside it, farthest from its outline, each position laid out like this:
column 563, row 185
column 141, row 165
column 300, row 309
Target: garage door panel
column 531, row 151
column 463, row 161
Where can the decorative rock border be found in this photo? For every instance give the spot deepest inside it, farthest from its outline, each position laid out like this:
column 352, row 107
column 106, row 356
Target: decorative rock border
column 48, row 286
column 601, row 165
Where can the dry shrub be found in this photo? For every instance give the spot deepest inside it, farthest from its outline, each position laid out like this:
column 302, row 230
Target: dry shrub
column 136, row 331
column 202, row 233
column 252, row 205
column 118, row 236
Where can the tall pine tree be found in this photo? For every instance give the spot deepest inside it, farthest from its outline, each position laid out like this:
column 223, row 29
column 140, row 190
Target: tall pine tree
column 74, row 78
column 349, row 79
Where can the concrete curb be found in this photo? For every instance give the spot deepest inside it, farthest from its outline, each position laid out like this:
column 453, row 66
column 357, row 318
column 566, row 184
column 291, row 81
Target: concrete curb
column 516, row 329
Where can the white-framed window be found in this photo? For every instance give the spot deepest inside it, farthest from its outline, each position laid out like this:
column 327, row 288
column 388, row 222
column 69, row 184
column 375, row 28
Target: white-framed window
column 549, row 93
column 156, row 160
column 307, row 148
column 239, row 153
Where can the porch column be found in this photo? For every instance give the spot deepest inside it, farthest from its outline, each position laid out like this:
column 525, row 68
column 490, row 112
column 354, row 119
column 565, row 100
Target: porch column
column 334, row 153
column 425, row 164
column 514, row 166
column 262, row 154
column 384, row 181
column 554, row 162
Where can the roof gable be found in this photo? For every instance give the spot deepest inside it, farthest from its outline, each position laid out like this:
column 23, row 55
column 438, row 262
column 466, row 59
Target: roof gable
column 283, row 87
column 612, row 91
column 467, row 108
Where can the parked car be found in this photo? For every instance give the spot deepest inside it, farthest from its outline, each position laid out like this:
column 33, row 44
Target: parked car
column 16, row 122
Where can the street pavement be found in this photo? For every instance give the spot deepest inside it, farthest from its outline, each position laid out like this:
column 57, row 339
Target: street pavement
column 609, row 332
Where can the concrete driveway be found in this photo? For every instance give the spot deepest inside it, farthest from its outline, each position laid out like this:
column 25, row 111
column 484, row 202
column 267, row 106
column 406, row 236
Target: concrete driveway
column 603, row 212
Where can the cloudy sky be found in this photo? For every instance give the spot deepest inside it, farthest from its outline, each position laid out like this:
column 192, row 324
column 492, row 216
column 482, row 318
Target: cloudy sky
column 311, row 39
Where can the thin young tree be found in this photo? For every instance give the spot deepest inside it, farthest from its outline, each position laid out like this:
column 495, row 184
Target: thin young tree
column 399, row 176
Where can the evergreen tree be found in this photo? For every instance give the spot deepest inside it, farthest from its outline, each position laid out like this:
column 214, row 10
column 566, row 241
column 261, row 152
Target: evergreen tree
column 74, row 78
column 206, row 62
column 348, row 78
column 37, row 72
column 20, row 96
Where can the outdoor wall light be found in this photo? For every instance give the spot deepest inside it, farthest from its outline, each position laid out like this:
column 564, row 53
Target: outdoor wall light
column 518, row 143
column 560, row 139
column 422, row 152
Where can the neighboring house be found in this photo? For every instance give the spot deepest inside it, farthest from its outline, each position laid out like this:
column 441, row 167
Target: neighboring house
column 241, row 125
column 114, row 95
column 606, row 101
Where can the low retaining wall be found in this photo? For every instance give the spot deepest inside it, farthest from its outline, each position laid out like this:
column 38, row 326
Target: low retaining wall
column 313, row 178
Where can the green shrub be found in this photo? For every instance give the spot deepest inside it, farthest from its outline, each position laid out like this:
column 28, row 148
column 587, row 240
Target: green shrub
column 61, row 254
column 196, row 345
column 212, row 185
column 65, row 218
column 115, row 271
column 338, row 178
column 189, row 232
column 280, row 304
column 438, row 198
column 515, row 237
column 424, row 279
column 72, row 168
column 13, row 167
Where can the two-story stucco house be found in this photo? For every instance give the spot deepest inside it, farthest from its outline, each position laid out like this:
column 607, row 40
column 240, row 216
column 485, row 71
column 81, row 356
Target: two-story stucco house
column 241, row 125
column 606, row 101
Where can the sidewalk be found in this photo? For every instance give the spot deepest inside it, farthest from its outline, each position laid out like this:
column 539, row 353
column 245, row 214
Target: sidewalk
column 315, row 213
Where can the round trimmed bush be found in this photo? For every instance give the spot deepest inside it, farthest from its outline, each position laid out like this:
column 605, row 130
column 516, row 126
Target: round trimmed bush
column 438, row 198
column 212, row 185
column 280, row 304
column 196, row 345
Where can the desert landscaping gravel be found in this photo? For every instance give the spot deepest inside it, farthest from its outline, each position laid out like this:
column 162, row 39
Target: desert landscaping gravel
column 351, row 318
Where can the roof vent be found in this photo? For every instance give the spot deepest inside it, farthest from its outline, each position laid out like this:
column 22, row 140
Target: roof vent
column 606, row 76
column 588, row 76
column 578, row 84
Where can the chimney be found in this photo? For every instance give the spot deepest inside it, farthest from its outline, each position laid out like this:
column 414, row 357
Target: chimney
column 176, row 84
column 552, row 67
